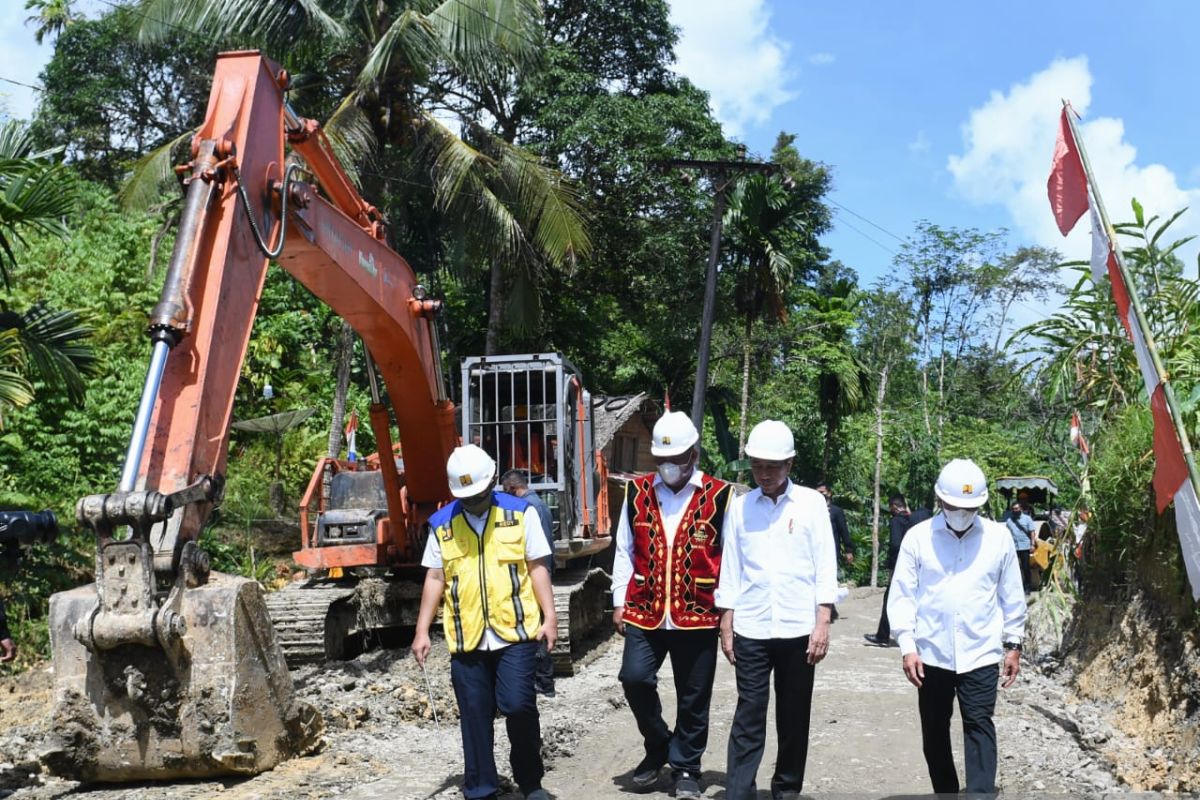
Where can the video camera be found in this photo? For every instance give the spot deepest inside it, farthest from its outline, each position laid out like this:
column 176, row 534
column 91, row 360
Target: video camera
column 28, row 527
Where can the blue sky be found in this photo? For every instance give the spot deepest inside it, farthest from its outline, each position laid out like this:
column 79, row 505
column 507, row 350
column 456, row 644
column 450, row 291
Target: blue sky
column 946, row 110
column 926, row 110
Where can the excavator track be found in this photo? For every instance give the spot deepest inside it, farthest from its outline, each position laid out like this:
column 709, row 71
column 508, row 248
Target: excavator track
column 312, row 621
column 327, row 620
column 581, row 601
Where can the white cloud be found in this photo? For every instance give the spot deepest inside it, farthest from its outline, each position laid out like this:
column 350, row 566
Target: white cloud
column 726, row 47
column 1009, row 142
column 821, row 59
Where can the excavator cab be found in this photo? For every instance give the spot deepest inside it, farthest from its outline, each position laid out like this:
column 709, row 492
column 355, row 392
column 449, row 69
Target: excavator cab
column 531, row 413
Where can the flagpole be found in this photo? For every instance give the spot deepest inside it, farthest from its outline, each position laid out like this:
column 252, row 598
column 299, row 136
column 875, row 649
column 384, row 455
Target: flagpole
column 1135, row 306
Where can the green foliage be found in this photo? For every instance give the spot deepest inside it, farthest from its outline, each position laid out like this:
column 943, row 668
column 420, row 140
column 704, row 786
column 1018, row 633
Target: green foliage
column 109, row 98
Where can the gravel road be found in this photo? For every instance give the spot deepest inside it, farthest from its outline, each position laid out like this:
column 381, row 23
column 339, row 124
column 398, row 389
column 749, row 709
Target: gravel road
column 382, row 743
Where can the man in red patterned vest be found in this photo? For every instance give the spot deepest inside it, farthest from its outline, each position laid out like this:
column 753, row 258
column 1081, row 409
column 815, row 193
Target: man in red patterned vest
column 668, row 558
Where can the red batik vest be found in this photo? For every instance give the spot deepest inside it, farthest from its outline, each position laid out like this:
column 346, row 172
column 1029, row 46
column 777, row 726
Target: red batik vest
column 685, row 576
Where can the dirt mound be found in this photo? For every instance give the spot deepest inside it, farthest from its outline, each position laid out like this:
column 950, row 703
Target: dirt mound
column 1143, row 668
column 380, row 687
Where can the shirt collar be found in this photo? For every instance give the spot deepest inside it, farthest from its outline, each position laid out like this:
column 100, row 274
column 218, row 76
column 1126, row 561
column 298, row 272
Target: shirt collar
column 789, row 493
column 697, row 480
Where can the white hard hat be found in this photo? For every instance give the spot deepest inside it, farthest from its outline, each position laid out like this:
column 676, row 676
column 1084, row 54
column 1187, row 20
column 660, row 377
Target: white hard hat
column 674, row 433
column 771, row 440
column 961, row 484
column 470, row 470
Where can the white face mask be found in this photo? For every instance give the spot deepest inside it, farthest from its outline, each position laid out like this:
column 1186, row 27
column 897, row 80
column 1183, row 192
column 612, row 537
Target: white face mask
column 960, row 519
column 670, row 473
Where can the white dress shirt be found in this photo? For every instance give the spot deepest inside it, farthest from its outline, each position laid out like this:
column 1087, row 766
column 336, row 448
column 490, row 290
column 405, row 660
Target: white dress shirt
column 956, row 601
column 672, row 504
column 778, row 564
column 536, row 546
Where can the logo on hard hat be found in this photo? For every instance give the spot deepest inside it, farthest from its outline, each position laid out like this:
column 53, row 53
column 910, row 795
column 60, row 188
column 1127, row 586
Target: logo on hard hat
column 464, row 480
column 666, row 440
column 968, row 488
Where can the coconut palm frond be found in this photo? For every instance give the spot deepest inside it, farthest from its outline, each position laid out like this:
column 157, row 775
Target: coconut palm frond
column 455, row 164
column 352, row 137
column 550, row 205
column 277, row 26
column 56, row 348
column 15, row 389
column 410, row 38
column 479, row 36
column 150, row 175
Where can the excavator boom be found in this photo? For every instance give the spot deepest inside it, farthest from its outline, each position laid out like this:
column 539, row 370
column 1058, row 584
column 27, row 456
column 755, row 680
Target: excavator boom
column 163, row 669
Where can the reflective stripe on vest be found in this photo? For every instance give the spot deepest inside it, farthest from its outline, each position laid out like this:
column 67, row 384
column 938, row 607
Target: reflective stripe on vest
column 487, row 578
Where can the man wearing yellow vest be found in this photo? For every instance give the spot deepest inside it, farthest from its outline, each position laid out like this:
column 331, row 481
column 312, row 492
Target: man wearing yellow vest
column 487, row 561
column 668, row 557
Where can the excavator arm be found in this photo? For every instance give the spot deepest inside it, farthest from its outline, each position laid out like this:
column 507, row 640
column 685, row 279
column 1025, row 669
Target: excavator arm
column 163, row 669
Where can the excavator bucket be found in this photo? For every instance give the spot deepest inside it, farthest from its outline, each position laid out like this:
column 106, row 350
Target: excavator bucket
column 215, row 699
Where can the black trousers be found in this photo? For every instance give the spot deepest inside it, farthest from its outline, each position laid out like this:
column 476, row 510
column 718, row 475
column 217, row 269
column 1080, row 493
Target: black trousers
column 1023, row 561
column 694, row 663
column 756, row 660
column 884, row 631
column 486, row 681
column 976, row 692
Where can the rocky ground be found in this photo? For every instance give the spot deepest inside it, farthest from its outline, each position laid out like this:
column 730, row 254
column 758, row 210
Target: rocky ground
column 382, row 740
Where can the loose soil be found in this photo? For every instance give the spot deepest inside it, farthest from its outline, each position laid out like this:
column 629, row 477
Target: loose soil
column 382, row 740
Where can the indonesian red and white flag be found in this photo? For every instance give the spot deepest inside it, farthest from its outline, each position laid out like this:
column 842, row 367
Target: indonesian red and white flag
column 1077, row 437
column 351, row 435
column 1067, row 188
column 1067, row 185
column 1171, row 479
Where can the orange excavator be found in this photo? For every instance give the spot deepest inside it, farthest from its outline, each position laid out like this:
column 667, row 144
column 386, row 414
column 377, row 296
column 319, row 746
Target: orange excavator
column 166, row 669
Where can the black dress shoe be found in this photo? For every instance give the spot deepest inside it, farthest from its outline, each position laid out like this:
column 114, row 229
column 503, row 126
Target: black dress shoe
column 875, row 640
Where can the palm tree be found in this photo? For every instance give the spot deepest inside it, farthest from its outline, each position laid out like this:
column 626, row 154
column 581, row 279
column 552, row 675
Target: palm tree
column 514, row 211
column 35, row 194
column 841, row 377
column 51, row 17
column 762, row 227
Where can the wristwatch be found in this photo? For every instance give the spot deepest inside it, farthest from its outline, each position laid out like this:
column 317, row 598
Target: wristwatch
column 1012, row 646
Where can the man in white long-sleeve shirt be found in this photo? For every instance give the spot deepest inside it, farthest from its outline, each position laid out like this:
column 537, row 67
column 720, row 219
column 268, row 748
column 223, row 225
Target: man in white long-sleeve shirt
column 776, row 594
column 957, row 609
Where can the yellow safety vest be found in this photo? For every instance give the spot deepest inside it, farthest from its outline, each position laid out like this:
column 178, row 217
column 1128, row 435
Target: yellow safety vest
column 487, row 579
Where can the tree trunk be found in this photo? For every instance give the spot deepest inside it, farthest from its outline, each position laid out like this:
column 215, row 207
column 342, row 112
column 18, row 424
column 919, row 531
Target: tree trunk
column 745, row 408
column 345, row 356
column 495, row 309
column 941, row 399
column 879, row 395
column 925, row 398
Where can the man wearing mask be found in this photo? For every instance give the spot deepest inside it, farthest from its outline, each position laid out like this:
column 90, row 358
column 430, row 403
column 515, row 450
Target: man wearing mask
column 667, row 561
column 1020, row 525
column 778, row 584
column 486, row 556
column 958, row 611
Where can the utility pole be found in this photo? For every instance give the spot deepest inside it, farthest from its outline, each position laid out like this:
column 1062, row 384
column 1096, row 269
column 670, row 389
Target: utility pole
column 722, row 173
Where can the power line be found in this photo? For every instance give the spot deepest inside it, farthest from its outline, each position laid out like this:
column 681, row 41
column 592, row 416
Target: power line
column 869, row 222
column 18, row 83
column 867, row 236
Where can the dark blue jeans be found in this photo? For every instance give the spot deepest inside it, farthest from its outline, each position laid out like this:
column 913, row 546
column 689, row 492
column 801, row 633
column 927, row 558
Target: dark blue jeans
column 976, row 692
column 693, row 663
column 486, row 680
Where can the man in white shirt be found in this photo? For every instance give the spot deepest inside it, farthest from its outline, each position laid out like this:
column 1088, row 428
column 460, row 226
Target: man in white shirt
column 668, row 556
column 487, row 560
column 957, row 608
column 776, row 594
